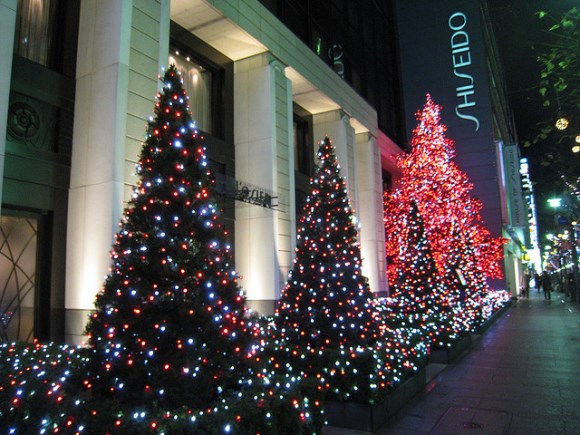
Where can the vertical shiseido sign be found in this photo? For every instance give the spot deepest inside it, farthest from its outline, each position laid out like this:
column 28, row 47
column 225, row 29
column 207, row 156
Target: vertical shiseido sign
column 461, row 59
column 444, row 52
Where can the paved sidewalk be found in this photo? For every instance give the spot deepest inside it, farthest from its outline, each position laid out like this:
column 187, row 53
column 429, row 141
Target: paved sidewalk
column 520, row 377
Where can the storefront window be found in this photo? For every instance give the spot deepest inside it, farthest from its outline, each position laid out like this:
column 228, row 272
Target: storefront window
column 303, row 153
column 35, row 30
column 197, row 82
column 18, row 240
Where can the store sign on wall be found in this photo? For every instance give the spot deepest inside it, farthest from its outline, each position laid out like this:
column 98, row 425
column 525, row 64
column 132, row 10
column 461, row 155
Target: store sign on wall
column 517, row 206
column 245, row 192
column 461, row 58
column 335, row 54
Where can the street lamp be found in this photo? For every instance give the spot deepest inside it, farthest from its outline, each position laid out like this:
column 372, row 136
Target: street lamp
column 566, row 221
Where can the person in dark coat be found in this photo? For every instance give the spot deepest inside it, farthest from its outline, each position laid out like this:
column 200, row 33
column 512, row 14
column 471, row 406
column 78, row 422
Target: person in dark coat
column 547, row 285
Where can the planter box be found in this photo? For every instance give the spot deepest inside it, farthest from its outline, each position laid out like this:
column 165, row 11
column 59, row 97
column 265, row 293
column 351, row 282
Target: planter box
column 369, row 418
column 485, row 325
column 448, row 355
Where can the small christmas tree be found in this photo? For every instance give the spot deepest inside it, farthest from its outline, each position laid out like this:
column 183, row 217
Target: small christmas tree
column 465, row 283
column 325, row 302
column 416, row 275
column 168, row 325
column 417, row 272
column 420, row 300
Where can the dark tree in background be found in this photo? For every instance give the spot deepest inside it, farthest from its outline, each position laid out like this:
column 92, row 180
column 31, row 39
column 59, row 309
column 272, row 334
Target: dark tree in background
column 168, row 325
column 325, row 302
column 416, row 289
column 559, row 61
column 541, row 66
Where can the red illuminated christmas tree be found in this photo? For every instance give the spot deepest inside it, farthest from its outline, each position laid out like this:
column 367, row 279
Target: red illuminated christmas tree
column 453, row 226
column 168, row 326
column 325, row 302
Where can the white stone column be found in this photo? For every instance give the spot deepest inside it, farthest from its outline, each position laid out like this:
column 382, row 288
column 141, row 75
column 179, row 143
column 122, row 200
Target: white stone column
column 336, row 125
column 512, row 267
column 7, row 28
column 121, row 46
column 263, row 136
column 372, row 229
column 164, row 30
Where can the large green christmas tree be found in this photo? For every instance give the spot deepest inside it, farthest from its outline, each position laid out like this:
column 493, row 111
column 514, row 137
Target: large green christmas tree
column 168, row 325
column 169, row 344
column 325, row 329
column 325, row 302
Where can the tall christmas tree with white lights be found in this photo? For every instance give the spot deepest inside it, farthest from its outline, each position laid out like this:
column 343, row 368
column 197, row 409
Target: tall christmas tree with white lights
column 325, row 302
column 168, row 325
column 325, row 327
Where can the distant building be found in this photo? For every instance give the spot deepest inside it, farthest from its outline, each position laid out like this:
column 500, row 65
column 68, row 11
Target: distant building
column 534, row 254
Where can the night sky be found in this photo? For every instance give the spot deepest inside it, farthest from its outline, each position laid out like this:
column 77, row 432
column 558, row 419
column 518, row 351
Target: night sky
column 521, row 35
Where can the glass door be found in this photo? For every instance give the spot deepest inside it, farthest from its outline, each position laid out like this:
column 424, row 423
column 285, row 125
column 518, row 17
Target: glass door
column 18, row 263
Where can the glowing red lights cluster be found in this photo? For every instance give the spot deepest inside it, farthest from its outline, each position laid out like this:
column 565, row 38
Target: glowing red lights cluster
column 445, row 263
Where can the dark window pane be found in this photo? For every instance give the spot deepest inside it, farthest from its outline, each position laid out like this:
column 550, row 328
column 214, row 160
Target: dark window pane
column 35, row 28
column 198, row 82
column 303, row 152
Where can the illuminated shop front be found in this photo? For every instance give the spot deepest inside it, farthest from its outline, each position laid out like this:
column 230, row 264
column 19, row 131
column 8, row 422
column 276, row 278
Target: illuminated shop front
column 76, row 102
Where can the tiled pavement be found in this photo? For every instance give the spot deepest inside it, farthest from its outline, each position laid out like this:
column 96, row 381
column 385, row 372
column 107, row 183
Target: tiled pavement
column 522, row 376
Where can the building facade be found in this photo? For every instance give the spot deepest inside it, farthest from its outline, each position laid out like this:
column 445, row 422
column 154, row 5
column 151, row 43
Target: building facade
column 266, row 79
column 75, row 107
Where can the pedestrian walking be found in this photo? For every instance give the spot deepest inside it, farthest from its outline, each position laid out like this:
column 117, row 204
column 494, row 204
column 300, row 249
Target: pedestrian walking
column 525, row 285
column 538, row 281
column 546, row 285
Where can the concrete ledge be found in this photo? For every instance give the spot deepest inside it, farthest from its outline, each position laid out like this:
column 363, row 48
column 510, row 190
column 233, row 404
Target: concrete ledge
column 450, row 354
column 370, row 417
column 485, row 325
